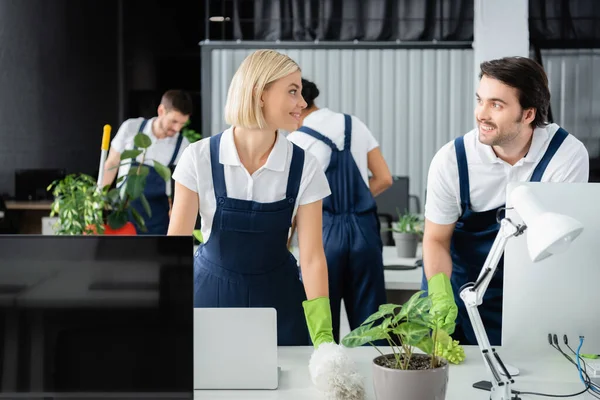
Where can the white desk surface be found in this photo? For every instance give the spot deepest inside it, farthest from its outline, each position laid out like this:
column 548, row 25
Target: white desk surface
column 548, row 373
column 409, row 279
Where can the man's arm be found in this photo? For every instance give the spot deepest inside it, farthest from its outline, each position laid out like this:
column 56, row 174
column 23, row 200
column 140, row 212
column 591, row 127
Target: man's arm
column 382, row 178
column 111, row 167
column 436, row 249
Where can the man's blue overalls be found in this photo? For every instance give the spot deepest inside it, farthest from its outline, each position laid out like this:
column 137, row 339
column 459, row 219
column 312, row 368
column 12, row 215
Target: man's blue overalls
column 472, row 240
column 246, row 262
column 156, row 194
column 351, row 237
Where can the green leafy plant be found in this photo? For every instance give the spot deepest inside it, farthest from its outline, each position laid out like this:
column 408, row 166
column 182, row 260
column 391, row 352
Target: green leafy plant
column 78, row 204
column 414, row 325
column 408, row 223
column 119, row 199
column 190, row 134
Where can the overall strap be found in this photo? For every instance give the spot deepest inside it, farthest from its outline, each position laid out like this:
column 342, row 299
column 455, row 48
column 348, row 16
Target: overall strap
column 463, row 172
column 177, row 147
column 318, row 136
column 218, row 172
column 142, row 125
column 295, row 175
column 558, row 138
column 347, row 131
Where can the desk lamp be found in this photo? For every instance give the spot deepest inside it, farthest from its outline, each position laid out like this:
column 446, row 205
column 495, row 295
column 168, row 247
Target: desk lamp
column 549, row 233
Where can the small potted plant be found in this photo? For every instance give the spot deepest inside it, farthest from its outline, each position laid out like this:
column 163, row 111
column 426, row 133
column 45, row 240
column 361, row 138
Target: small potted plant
column 78, row 205
column 406, row 373
column 407, row 232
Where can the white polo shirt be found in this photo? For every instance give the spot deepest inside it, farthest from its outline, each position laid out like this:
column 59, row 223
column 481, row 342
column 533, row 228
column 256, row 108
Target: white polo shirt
column 266, row 185
column 160, row 150
column 331, row 124
column 489, row 175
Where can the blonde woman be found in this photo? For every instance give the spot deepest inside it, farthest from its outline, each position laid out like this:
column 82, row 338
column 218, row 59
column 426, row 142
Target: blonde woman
column 248, row 183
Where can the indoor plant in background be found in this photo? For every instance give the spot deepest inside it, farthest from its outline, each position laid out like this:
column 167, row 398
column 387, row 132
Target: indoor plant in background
column 407, row 232
column 78, row 204
column 406, row 374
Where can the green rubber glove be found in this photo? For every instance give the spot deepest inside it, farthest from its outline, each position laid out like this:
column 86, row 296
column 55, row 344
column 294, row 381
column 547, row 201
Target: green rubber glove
column 318, row 319
column 443, row 305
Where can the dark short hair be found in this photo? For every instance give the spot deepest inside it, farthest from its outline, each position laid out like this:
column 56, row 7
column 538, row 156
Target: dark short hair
column 528, row 77
column 309, row 92
column 178, row 100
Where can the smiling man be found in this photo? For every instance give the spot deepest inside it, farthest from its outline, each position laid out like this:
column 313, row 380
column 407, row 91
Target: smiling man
column 467, row 185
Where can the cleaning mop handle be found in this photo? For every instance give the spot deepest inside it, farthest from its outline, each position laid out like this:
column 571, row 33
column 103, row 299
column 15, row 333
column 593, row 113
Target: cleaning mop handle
column 103, row 154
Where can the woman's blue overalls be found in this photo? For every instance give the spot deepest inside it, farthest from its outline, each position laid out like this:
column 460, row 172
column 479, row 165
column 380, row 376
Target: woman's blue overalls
column 246, row 262
column 351, row 237
column 472, row 240
column 155, row 192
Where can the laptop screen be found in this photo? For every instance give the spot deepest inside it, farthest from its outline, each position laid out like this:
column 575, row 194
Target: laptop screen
column 96, row 314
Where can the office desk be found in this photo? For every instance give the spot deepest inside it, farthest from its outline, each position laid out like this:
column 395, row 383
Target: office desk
column 29, row 215
column 548, row 373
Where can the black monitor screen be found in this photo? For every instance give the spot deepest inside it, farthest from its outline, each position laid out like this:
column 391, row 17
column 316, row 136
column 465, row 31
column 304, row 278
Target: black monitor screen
column 83, row 315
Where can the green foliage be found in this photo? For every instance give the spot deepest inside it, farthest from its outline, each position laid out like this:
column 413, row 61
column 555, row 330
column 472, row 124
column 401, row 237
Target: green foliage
column 408, row 223
column 406, row 327
column 190, row 134
column 83, row 208
column 78, row 204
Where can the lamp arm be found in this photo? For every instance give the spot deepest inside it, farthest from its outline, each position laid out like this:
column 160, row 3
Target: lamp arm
column 472, row 295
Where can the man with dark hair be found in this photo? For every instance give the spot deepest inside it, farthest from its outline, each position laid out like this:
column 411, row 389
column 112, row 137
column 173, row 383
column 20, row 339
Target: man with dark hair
column 167, row 146
column 467, row 180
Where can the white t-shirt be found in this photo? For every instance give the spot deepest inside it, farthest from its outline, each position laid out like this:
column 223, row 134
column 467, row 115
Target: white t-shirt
column 160, row 150
column 331, row 124
column 489, row 175
column 267, row 185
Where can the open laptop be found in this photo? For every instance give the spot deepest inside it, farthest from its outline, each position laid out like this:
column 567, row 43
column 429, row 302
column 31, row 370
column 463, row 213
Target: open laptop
column 235, row 348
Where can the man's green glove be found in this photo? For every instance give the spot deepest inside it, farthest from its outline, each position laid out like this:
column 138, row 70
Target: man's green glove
column 318, row 319
column 443, row 305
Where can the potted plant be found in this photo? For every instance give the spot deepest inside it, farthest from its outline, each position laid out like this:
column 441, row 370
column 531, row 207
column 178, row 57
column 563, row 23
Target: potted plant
column 407, row 232
column 119, row 199
column 82, row 208
column 78, row 204
column 406, row 374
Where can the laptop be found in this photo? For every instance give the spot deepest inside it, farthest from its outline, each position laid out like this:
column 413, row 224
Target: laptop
column 235, row 348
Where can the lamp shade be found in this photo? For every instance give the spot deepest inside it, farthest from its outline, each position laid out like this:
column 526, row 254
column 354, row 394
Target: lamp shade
column 547, row 232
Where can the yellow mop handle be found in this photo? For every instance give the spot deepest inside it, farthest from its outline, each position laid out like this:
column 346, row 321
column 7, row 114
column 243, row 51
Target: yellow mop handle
column 106, row 137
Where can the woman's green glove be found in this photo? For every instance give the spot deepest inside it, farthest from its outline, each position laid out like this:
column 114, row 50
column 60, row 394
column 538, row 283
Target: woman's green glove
column 318, row 319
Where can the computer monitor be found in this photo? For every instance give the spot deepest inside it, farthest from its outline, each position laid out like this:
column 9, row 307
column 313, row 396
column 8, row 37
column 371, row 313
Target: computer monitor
column 32, row 184
column 559, row 294
column 389, row 203
column 93, row 315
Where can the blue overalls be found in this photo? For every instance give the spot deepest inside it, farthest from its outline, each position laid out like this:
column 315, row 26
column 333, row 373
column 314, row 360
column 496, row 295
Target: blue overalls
column 472, row 240
column 351, row 237
column 156, row 194
column 246, row 262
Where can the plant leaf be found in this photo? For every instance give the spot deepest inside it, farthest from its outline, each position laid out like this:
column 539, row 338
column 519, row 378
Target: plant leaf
column 163, row 171
column 384, row 310
column 140, row 170
column 142, row 140
column 415, row 308
column 138, row 219
column 146, row 205
column 425, row 345
column 135, row 186
column 131, row 154
column 121, row 179
column 364, row 334
column 117, row 219
column 411, row 333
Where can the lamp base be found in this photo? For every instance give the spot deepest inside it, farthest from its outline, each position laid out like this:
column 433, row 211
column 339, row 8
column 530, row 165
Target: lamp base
column 512, row 370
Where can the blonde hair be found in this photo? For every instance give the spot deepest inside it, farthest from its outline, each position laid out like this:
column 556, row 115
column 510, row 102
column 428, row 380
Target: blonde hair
column 255, row 74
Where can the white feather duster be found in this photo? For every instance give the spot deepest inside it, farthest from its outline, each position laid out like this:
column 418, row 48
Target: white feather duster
column 335, row 374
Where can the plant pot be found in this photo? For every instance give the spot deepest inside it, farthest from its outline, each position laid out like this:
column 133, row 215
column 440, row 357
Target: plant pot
column 396, row 384
column 406, row 244
column 127, row 229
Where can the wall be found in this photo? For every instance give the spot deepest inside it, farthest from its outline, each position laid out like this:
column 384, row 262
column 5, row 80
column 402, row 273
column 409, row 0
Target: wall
column 413, row 100
column 58, row 80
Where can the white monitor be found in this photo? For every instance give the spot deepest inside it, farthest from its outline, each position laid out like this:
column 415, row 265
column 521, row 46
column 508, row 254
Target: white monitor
column 560, row 294
column 235, row 348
